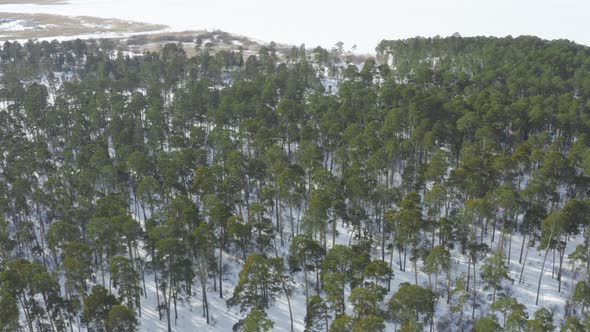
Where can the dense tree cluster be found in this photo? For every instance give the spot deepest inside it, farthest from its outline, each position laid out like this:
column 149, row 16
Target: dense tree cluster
column 117, row 171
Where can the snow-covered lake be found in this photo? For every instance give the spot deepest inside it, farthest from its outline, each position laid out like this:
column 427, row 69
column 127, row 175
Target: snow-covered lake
column 326, row 22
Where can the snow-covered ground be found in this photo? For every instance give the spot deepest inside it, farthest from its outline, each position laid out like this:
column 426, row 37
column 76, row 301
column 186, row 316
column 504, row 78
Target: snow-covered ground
column 190, row 316
column 13, row 25
column 327, row 22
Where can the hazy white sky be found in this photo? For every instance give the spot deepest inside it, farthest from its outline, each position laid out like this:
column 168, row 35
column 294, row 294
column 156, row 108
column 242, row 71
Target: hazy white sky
column 364, row 23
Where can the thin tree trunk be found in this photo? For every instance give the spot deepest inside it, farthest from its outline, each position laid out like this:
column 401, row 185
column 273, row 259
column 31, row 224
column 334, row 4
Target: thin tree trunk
column 543, row 267
column 522, row 248
column 561, row 254
column 205, row 302
column 509, row 248
column 167, row 305
column 493, row 230
column 449, row 285
column 468, row 274
column 334, row 232
column 142, row 272
column 174, row 296
column 474, row 291
column 47, row 312
column 220, row 269
column 553, row 265
column 305, row 280
column 520, row 278
column 382, row 245
column 390, row 266
column 291, row 219
column 22, row 301
column 279, row 224
column 288, row 302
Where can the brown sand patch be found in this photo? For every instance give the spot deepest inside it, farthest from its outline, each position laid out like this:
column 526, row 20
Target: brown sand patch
column 129, row 36
column 47, row 26
column 213, row 41
column 32, row 2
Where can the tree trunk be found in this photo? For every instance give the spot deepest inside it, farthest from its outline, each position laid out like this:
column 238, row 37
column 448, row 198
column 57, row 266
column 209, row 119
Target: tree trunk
column 461, row 319
column 174, row 293
column 390, row 266
column 493, row 230
column 543, row 267
column 382, row 245
column 435, row 281
column 157, row 295
column 561, row 254
column 449, row 285
column 474, row 291
column 468, row 274
column 509, row 248
column 405, row 256
column 520, row 279
column 279, row 224
column 23, row 302
column 220, row 268
column 334, row 232
column 494, row 295
column 142, row 273
column 305, row 280
column 291, row 219
column 522, row 248
column 553, row 265
column 288, row 303
column 415, row 266
column 167, row 305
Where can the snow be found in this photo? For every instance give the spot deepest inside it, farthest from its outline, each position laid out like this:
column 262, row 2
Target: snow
column 190, row 313
column 190, row 318
column 184, row 15
column 14, row 25
column 326, row 22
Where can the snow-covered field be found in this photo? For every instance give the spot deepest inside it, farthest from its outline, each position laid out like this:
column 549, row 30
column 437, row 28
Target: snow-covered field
column 327, row 22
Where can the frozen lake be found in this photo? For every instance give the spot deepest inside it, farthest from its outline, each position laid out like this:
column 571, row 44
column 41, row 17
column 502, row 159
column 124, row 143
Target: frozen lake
column 326, row 22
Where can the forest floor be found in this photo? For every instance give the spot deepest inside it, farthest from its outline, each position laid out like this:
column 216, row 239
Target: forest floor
column 190, row 314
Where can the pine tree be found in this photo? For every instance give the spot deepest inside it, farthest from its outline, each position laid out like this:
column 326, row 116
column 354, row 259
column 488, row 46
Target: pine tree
column 256, row 321
column 366, row 302
column 259, row 283
column 514, row 315
column 316, row 317
column 342, row 323
column 203, row 247
column 121, row 319
column 9, row 314
column 126, row 279
column 369, row 324
column 97, row 306
column 543, row 321
column 335, row 275
column 486, row 324
column 493, row 272
column 412, row 303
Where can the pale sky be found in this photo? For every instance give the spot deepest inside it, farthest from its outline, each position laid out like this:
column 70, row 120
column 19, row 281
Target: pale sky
column 364, row 23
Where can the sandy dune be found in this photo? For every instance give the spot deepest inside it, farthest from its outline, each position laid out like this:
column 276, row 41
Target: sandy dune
column 47, row 25
column 32, row 2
